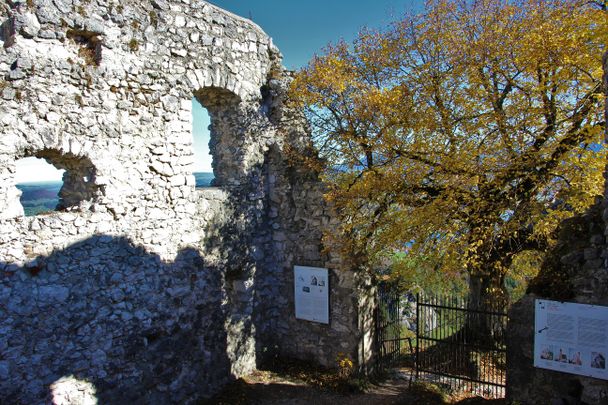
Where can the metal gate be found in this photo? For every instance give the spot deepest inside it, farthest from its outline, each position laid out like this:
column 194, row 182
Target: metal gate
column 391, row 345
column 450, row 347
column 448, row 350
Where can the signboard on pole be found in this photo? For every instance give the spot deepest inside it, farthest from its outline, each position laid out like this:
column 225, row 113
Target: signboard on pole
column 311, row 293
column 571, row 338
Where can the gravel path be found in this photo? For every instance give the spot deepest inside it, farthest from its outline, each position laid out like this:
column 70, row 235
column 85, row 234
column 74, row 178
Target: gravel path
column 264, row 388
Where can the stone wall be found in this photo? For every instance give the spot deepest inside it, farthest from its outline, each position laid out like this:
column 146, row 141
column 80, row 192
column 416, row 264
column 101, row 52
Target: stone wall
column 142, row 288
column 296, row 221
column 573, row 272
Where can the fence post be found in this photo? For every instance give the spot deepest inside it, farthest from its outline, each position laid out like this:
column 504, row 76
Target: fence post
column 417, row 332
column 398, row 326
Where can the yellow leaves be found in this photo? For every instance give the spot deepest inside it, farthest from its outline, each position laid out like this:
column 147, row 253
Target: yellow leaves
column 568, row 35
column 326, row 73
column 456, row 131
column 345, row 364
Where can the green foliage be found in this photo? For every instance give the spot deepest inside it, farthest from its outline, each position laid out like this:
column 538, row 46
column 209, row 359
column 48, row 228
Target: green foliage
column 134, row 45
column 153, row 18
column 422, row 273
column 445, row 329
column 345, row 366
column 524, row 268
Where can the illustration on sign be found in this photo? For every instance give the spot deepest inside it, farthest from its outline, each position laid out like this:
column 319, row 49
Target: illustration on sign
column 571, row 338
column 311, row 293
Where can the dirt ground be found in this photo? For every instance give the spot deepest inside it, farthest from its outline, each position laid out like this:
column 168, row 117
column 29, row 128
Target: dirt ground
column 293, row 386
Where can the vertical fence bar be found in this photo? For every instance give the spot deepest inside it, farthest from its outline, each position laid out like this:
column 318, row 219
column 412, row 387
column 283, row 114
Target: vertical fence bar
column 448, row 347
column 397, row 327
column 417, row 359
column 388, row 327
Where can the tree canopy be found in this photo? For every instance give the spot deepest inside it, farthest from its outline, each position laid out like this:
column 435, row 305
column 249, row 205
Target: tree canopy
column 466, row 133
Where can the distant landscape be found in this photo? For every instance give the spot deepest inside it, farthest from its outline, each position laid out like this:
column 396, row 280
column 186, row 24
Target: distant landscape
column 38, row 197
column 203, row 179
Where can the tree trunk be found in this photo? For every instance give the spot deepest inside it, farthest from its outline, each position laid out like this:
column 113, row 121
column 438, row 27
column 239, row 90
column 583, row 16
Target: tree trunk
column 487, row 298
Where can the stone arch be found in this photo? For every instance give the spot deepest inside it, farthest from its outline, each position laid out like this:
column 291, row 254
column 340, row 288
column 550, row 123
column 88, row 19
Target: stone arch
column 223, row 107
column 79, row 187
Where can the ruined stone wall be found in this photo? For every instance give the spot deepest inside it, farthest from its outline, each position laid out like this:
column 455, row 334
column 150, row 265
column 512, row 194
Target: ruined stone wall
column 297, row 223
column 143, row 288
column 574, row 271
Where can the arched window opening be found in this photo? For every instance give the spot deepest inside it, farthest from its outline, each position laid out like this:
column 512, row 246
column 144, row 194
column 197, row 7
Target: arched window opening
column 224, row 133
column 52, row 181
column 203, row 171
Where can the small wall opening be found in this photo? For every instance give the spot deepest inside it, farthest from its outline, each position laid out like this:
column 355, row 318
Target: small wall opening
column 39, row 183
column 90, row 46
column 224, row 133
column 201, row 122
column 52, row 181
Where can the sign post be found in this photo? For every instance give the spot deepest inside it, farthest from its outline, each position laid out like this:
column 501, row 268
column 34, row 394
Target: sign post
column 311, row 293
column 571, row 338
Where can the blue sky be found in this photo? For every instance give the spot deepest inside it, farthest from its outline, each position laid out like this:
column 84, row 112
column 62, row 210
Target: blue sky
column 302, row 28
column 299, row 28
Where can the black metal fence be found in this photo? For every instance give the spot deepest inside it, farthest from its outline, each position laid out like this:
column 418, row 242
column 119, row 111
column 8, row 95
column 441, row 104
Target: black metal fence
column 391, row 345
column 462, row 347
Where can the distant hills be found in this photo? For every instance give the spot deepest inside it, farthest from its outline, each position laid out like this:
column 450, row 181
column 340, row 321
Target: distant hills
column 39, row 197
column 203, row 179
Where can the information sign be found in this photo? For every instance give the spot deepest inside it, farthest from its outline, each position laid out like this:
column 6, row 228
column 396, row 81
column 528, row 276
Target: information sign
column 311, row 293
column 571, row 338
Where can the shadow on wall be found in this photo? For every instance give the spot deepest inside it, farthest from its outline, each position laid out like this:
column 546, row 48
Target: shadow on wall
column 237, row 241
column 108, row 317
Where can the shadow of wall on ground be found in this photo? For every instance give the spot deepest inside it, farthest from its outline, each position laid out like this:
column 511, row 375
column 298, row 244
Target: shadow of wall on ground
column 106, row 311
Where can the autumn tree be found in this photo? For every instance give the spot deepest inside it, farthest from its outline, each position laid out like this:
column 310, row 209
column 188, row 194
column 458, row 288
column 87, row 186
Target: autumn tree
column 466, row 133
